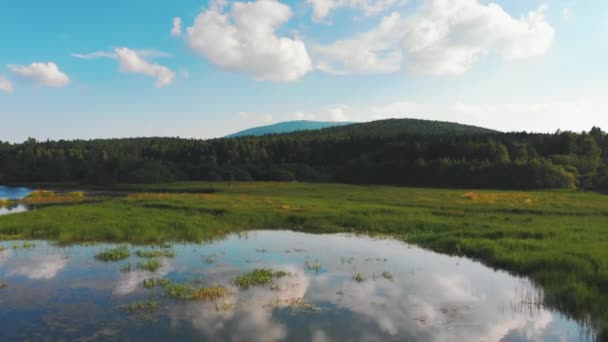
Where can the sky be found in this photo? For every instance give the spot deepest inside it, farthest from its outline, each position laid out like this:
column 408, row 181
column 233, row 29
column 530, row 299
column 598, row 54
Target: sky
column 190, row 68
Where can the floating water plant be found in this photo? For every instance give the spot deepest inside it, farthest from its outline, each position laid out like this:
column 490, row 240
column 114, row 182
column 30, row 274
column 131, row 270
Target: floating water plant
column 157, row 253
column 126, row 268
column 257, row 277
column 359, row 278
column 150, row 265
column 113, row 254
column 2, row 285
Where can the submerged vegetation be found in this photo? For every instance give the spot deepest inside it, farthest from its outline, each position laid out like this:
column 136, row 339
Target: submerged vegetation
column 141, row 307
column 113, row 254
column 557, row 238
column 258, row 277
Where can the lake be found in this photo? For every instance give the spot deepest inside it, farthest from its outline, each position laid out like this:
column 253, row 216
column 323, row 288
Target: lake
column 339, row 287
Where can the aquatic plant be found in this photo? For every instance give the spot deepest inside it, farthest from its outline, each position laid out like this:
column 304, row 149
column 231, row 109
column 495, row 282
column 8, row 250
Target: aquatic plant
column 137, row 307
column 151, row 283
column 113, row 254
column 257, row 277
column 24, row 245
column 151, row 265
column 178, row 291
column 2, row 285
column 312, row 266
column 211, row 292
column 359, row 278
column 387, row 275
column 156, row 253
column 126, row 268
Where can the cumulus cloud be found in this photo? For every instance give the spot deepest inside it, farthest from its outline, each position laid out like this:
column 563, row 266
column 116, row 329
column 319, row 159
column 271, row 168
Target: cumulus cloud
column 44, row 74
column 6, row 85
column 322, row 8
column 373, row 52
column 245, row 40
column 445, row 37
column 132, row 62
column 176, row 30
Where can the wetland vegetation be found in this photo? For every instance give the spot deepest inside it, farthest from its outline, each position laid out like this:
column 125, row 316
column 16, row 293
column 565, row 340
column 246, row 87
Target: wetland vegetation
column 557, row 238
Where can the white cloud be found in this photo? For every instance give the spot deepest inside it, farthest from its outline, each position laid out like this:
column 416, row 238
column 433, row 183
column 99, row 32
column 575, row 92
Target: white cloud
column 267, row 118
column 44, row 74
column 245, row 40
column 303, row 116
column 94, row 55
column 322, row 8
column 373, row 52
column 131, row 61
column 338, row 114
column 6, row 85
column 176, row 30
column 448, row 37
column 144, row 53
column 444, row 37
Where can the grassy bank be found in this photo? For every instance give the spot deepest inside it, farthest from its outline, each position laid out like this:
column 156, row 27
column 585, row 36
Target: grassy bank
column 559, row 239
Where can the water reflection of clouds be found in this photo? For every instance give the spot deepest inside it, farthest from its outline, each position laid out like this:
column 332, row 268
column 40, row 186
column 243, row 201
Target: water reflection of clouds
column 129, row 281
column 40, row 267
column 433, row 308
column 248, row 315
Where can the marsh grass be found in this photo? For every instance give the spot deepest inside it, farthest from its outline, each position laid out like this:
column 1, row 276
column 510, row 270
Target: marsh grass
column 156, row 253
column 113, row 254
column 212, row 292
column 557, row 238
column 150, row 265
column 151, row 283
column 387, row 275
column 312, row 265
column 359, row 278
column 258, row 277
column 24, row 245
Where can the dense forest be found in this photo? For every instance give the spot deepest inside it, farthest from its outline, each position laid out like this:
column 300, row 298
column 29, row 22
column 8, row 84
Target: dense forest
column 398, row 152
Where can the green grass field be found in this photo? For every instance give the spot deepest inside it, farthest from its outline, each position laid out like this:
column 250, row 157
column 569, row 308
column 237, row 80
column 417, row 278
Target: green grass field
column 557, row 238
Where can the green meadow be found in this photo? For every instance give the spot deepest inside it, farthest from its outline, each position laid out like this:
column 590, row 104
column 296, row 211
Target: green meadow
column 557, row 238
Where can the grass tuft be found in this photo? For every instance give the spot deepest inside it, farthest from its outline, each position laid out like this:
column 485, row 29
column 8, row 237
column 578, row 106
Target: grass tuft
column 258, row 277
column 113, row 254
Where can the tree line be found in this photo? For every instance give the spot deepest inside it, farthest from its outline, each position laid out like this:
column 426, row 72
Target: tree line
column 434, row 155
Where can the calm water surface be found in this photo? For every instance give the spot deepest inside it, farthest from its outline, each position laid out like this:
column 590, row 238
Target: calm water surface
column 54, row 293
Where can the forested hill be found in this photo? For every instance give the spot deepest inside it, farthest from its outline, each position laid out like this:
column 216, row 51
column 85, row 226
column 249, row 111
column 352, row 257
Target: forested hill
column 286, row 127
column 399, row 152
column 398, row 127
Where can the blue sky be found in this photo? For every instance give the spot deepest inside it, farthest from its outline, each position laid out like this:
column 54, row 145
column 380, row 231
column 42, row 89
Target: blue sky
column 91, row 69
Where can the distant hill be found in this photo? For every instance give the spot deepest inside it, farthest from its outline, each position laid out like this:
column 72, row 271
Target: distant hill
column 287, row 127
column 397, row 127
